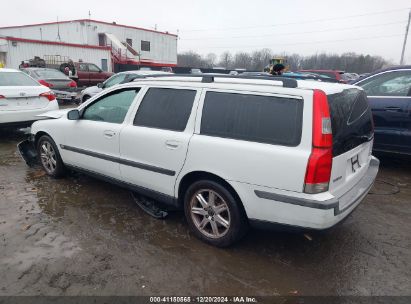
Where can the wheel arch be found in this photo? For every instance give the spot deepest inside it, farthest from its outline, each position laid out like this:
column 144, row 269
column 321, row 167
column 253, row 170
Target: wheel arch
column 194, row 176
column 38, row 135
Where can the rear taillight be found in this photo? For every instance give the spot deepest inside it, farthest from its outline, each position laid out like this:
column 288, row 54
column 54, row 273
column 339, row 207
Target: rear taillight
column 317, row 176
column 49, row 95
column 1, row 96
column 45, row 83
column 73, row 84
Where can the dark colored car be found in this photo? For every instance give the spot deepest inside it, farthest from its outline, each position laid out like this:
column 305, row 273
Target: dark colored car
column 63, row 87
column 389, row 93
column 89, row 74
column 335, row 74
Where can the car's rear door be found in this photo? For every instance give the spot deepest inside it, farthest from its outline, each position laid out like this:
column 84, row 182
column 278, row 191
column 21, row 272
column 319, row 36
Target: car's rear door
column 154, row 146
column 389, row 94
column 92, row 142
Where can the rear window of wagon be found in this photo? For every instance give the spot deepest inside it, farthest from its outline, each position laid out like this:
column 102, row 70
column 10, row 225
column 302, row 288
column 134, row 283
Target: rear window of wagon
column 257, row 118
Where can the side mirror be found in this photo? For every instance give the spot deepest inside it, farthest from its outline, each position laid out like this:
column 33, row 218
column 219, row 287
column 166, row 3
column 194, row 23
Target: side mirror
column 73, row 115
column 100, row 85
column 100, row 71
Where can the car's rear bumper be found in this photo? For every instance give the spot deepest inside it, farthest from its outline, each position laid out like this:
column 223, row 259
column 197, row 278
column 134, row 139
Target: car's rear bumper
column 274, row 208
column 18, row 117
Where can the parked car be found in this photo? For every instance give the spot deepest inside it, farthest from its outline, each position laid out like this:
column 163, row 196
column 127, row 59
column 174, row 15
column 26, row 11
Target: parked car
column 389, row 93
column 62, row 86
column 89, row 74
column 22, row 98
column 230, row 152
column 121, row 77
column 336, row 74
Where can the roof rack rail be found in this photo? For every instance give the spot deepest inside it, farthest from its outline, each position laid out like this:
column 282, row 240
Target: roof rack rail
column 287, row 82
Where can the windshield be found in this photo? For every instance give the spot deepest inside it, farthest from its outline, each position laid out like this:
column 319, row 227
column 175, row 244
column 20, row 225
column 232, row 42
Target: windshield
column 49, row 74
column 16, row 79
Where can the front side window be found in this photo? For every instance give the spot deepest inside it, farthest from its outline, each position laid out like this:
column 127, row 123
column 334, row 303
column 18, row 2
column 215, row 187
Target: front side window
column 93, row 68
column 112, row 107
column 396, row 83
column 114, row 80
column 145, row 46
column 167, row 109
column 264, row 119
column 83, row 67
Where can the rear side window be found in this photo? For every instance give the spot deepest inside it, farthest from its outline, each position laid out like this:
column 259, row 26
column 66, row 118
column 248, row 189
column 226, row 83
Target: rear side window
column 167, row 109
column 351, row 120
column 16, row 79
column 264, row 119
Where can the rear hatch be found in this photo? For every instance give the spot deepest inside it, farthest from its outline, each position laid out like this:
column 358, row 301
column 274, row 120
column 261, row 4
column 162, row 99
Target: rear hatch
column 353, row 132
column 19, row 98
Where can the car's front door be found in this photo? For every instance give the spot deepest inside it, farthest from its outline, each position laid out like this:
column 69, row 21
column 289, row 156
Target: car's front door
column 154, row 146
column 92, row 142
column 389, row 94
column 83, row 75
column 96, row 74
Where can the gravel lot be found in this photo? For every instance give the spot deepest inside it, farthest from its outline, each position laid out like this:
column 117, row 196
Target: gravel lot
column 81, row 236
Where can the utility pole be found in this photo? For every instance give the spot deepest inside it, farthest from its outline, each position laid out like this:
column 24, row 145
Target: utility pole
column 405, row 39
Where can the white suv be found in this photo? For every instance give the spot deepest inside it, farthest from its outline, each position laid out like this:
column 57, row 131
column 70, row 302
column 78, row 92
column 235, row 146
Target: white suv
column 230, row 151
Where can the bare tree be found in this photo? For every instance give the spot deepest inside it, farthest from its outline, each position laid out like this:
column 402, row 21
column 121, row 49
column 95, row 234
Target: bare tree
column 190, row 59
column 226, row 60
column 259, row 59
column 211, row 60
column 242, row 60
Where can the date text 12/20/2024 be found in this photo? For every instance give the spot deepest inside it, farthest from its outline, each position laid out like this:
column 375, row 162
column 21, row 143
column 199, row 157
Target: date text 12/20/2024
column 203, row 300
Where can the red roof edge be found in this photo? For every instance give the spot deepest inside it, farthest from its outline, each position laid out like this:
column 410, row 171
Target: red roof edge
column 84, row 46
column 90, row 20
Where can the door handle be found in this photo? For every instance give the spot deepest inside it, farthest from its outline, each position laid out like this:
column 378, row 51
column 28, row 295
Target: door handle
column 392, row 109
column 172, row 144
column 109, row 133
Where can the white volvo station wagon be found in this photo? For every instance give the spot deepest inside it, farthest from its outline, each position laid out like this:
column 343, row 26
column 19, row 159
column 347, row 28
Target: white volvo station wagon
column 231, row 151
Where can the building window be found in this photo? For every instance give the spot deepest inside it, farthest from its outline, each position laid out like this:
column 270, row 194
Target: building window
column 145, row 46
column 129, row 41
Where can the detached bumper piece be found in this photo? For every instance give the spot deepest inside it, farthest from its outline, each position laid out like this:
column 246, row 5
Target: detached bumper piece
column 28, row 152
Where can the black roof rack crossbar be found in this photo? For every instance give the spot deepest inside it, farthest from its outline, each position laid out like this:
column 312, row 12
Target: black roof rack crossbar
column 287, row 82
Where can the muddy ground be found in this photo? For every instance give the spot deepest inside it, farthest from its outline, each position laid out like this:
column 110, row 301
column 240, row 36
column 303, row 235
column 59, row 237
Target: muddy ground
column 81, row 236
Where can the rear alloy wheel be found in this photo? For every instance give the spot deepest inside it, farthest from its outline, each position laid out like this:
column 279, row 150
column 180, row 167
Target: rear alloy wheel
column 213, row 214
column 50, row 157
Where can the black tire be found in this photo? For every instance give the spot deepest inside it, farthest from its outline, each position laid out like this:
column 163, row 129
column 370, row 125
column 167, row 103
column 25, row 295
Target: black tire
column 234, row 216
column 85, row 98
column 54, row 168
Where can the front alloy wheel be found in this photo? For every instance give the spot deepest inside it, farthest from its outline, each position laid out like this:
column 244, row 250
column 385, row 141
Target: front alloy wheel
column 48, row 157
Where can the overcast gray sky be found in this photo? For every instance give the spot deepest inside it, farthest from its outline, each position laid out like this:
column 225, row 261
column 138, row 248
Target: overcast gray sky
column 375, row 27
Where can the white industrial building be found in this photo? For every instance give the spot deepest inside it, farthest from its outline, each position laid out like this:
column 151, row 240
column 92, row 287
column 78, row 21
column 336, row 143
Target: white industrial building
column 102, row 43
